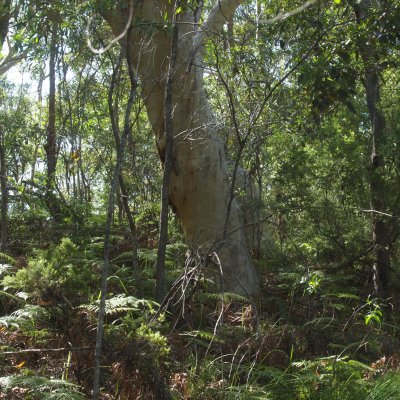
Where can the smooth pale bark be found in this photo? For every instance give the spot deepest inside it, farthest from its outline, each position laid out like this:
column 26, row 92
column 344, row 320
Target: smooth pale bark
column 200, row 183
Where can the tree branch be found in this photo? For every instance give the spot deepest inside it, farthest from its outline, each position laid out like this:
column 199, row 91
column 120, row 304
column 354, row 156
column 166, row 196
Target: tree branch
column 282, row 16
column 115, row 39
column 222, row 11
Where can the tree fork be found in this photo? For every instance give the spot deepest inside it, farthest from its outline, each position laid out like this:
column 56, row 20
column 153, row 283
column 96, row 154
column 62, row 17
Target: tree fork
column 199, row 189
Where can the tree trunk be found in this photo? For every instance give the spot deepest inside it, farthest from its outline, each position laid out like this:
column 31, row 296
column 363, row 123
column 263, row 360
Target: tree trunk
column 168, row 166
column 199, row 190
column 5, row 14
column 380, row 229
column 113, row 107
column 4, row 194
column 51, row 144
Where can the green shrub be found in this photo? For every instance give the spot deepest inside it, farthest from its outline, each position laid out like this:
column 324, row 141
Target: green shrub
column 55, row 274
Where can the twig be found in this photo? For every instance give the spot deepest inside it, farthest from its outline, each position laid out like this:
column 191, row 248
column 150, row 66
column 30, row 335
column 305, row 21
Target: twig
column 59, row 350
column 381, row 213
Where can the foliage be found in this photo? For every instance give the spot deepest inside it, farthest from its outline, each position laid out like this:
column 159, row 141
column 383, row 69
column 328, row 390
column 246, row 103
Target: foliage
column 38, row 387
column 386, row 388
column 53, row 274
column 7, row 258
column 26, row 318
column 121, row 304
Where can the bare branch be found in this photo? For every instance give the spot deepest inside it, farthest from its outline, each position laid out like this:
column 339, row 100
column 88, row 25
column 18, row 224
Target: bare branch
column 381, row 213
column 282, row 16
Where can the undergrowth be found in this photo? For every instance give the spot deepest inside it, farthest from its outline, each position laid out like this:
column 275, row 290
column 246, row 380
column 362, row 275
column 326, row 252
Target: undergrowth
column 310, row 340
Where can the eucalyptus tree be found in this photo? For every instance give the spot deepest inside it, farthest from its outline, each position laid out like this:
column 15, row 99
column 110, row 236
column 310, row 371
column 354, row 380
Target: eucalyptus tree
column 200, row 190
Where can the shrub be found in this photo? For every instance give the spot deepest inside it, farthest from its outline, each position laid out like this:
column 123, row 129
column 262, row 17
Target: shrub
column 55, row 274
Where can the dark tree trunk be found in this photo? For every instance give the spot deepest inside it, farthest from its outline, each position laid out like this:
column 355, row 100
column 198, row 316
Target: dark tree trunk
column 381, row 225
column 121, row 144
column 168, row 160
column 5, row 14
column 123, row 192
column 4, row 195
column 51, row 143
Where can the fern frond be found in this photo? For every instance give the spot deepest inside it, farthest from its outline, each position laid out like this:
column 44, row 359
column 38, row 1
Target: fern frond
column 6, row 269
column 25, row 318
column 224, row 296
column 387, row 389
column 5, row 257
column 43, row 388
column 120, row 304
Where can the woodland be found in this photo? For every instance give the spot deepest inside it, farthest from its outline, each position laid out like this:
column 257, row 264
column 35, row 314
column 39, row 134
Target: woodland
column 200, row 199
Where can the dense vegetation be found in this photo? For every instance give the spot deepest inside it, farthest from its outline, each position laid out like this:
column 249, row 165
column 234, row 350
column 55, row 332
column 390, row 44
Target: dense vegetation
column 308, row 104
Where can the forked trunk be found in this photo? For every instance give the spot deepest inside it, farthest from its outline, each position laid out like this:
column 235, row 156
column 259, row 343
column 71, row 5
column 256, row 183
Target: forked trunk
column 199, row 190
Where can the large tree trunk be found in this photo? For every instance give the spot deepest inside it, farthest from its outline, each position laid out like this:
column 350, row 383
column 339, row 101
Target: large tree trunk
column 200, row 186
column 381, row 228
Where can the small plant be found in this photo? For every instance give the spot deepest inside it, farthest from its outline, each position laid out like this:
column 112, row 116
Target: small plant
column 312, row 282
column 374, row 313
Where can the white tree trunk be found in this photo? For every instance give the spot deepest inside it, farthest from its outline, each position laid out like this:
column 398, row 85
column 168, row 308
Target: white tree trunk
column 200, row 183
